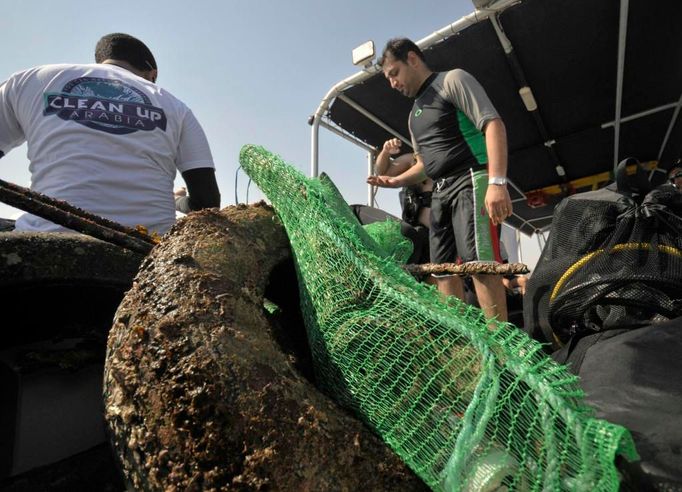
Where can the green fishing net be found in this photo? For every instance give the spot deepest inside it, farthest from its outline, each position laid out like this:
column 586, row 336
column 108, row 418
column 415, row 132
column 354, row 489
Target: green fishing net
column 389, row 238
column 467, row 407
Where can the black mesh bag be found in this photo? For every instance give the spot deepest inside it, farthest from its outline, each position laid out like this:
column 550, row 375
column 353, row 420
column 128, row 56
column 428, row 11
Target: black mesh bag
column 613, row 260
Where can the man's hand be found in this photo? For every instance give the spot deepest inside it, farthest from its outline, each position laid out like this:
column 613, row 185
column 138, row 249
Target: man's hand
column 180, row 192
column 413, row 174
column 384, row 181
column 392, row 146
column 498, row 203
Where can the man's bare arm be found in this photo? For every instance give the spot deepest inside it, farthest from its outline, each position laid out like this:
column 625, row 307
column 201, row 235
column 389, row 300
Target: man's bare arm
column 384, row 165
column 497, row 200
column 415, row 174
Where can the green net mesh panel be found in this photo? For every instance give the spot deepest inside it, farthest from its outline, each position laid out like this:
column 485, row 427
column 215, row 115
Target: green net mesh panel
column 389, row 238
column 466, row 407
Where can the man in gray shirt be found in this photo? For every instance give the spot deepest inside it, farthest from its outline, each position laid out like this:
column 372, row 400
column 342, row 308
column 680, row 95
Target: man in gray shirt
column 455, row 133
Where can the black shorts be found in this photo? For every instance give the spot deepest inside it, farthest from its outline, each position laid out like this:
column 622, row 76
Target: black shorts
column 460, row 227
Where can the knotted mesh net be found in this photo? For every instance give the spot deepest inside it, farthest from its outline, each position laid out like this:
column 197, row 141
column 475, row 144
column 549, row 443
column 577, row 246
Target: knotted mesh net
column 467, row 403
column 387, row 235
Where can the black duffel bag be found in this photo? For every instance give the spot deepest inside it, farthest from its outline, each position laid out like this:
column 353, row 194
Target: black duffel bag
column 613, row 260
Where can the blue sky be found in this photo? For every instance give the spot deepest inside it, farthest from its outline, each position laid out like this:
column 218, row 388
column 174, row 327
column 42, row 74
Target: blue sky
column 251, row 70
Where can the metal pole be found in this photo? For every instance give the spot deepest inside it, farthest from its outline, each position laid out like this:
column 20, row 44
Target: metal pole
column 676, row 113
column 314, row 146
column 464, row 22
column 622, row 35
column 370, row 171
column 373, row 118
column 350, row 138
column 522, row 82
column 322, row 108
column 642, row 114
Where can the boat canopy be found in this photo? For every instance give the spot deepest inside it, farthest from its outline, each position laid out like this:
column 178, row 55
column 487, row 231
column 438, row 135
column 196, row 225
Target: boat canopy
column 579, row 84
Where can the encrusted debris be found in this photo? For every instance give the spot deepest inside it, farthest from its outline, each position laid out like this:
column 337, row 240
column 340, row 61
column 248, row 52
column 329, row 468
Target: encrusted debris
column 202, row 391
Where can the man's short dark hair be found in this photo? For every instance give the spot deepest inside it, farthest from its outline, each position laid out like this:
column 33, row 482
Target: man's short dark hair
column 398, row 48
column 120, row 46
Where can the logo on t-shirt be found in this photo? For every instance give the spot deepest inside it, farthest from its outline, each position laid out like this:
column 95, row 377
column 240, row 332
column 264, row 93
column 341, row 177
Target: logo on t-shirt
column 105, row 104
column 418, row 113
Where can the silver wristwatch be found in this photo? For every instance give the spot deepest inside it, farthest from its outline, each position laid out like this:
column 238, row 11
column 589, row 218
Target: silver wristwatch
column 497, row 180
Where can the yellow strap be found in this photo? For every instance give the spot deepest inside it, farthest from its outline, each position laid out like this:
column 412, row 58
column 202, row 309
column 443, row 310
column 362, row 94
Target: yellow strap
column 618, row 247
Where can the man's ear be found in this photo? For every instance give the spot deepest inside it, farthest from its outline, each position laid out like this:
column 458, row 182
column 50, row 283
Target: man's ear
column 412, row 59
column 151, row 75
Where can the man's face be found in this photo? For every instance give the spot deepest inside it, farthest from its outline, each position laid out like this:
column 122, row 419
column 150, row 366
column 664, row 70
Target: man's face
column 402, row 76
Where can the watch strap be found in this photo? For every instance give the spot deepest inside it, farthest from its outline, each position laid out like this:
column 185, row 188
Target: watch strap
column 497, row 180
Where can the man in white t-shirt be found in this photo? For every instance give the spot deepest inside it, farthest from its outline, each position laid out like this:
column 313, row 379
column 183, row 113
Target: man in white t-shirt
column 105, row 138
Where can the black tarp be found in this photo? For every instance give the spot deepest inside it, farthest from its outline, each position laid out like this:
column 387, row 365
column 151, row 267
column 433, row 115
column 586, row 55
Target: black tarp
column 634, row 378
column 567, row 51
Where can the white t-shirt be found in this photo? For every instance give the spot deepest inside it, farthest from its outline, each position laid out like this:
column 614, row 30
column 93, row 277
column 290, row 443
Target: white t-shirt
column 102, row 139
